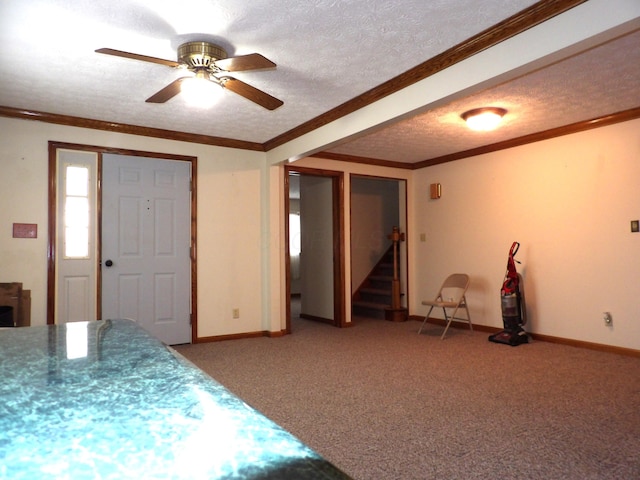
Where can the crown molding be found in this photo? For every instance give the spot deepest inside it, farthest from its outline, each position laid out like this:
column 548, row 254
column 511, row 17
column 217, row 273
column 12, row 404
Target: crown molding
column 527, row 18
column 72, row 121
column 602, row 121
column 577, row 127
column 518, row 23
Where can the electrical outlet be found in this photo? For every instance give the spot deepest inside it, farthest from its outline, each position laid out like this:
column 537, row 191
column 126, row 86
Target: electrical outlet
column 608, row 319
column 236, row 313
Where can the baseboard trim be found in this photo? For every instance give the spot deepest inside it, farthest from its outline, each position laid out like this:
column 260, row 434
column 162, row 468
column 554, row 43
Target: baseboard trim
column 239, row 336
column 306, row 316
column 629, row 352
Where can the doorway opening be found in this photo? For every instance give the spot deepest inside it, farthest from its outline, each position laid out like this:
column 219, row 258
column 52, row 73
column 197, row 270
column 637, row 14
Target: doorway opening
column 378, row 205
column 314, row 226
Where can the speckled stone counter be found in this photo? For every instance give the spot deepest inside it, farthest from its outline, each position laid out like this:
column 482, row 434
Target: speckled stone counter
column 104, row 400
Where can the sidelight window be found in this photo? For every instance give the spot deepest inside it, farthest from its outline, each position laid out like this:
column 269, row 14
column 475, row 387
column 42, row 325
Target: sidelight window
column 76, row 212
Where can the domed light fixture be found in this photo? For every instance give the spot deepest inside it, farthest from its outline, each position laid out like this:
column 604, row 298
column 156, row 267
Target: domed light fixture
column 484, row 119
column 200, row 90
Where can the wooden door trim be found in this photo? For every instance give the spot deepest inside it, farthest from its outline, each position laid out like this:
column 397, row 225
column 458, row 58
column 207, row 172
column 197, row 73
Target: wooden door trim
column 51, row 244
column 406, row 215
column 339, row 306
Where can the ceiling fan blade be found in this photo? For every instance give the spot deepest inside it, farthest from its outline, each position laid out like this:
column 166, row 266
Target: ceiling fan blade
column 167, row 92
column 135, row 56
column 251, row 93
column 252, row 61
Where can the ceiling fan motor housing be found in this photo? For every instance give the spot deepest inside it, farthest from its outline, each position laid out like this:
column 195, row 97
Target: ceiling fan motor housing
column 198, row 55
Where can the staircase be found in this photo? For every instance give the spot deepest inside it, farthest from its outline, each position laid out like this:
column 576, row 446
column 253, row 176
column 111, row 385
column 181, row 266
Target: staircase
column 374, row 295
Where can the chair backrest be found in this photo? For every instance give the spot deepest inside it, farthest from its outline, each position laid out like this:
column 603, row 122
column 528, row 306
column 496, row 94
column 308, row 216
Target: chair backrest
column 454, row 287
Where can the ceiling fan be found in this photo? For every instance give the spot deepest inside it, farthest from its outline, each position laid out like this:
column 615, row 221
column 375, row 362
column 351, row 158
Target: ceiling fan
column 210, row 64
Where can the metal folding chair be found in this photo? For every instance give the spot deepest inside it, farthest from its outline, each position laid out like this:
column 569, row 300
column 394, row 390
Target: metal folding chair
column 450, row 296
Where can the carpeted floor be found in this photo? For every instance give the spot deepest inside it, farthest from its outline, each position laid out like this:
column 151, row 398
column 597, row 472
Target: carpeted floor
column 382, row 402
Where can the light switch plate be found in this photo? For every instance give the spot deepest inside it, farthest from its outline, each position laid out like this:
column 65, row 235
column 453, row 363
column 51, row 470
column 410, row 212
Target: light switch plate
column 635, row 226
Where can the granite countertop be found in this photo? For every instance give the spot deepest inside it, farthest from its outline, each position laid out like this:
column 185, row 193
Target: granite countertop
column 105, row 400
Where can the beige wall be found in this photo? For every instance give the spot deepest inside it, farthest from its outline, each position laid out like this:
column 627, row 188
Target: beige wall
column 569, row 202
column 231, row 186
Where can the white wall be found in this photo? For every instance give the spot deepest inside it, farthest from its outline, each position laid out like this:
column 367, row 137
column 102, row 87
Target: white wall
column 316, row 256
column 569, row 202
column 231, row 220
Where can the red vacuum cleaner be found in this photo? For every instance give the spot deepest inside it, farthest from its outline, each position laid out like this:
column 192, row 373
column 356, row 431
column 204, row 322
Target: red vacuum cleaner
column 514, row 315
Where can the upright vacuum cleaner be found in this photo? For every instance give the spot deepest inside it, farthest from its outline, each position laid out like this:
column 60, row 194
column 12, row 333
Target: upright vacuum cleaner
column 514, row 315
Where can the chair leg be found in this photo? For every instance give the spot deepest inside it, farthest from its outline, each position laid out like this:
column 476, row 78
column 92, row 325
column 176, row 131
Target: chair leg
column 448, row 320
column 425, row 321
column 468, row 316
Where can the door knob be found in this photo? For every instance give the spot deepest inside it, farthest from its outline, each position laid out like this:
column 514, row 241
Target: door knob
column 108, row 263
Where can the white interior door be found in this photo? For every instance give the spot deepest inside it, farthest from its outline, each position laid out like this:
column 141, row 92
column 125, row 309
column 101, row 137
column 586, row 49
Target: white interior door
column 317, row 250
column 146, row 240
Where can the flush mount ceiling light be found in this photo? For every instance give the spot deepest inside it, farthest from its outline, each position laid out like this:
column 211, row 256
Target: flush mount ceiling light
column 484, row 119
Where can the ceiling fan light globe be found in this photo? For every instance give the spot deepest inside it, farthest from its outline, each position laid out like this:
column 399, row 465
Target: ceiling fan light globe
column 200, row 92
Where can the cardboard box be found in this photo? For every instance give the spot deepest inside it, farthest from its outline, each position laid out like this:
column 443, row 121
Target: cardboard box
column 12, row 295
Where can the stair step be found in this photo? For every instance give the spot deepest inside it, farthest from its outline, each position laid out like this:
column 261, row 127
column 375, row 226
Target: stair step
column 369, row 309
column 370, row 305
column 381, row 278
column 376, row 291
column 374, row 296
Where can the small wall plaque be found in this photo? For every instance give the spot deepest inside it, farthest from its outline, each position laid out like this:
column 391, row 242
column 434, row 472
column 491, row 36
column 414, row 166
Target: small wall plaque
column 25, row 230
column 436, row 191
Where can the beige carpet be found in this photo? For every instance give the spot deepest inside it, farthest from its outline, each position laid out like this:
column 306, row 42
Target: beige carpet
column 382, row 402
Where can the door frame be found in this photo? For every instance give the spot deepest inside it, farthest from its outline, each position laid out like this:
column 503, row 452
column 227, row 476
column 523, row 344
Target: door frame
column 403, row 202
column 337, row 182
column 54, row 146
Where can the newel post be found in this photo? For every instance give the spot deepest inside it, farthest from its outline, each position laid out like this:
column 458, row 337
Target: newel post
column 396, row 313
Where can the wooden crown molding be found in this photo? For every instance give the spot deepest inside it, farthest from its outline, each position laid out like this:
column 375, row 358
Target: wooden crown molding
column 597, row 122
column 577, row 127
column 128, row 129
column 518, row 23
column 527, row 18
column 341, row 157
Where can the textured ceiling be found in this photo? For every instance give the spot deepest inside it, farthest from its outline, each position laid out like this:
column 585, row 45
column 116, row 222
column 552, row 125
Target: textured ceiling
column 328, row 52
column 598, row 82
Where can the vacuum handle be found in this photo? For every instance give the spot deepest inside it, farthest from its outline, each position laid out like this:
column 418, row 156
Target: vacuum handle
column 514, row 249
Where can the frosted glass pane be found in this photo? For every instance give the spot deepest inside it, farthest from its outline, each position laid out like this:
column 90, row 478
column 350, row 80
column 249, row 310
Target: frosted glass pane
column 77, row 181
column 76, row 212
column 76, row 242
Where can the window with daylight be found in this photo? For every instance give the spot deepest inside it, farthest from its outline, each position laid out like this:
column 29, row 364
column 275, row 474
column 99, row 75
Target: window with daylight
column 76, row 212
column 294, row 234
column 294, row 245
